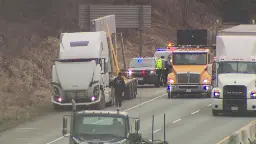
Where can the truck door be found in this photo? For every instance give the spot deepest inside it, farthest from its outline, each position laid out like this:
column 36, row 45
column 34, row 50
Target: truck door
column 104, row 77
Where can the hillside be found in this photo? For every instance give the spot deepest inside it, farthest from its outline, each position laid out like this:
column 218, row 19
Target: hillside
column 29, row 33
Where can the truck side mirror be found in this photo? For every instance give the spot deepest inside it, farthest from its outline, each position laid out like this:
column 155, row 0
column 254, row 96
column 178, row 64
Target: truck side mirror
column 137, row 125
column 65, row 126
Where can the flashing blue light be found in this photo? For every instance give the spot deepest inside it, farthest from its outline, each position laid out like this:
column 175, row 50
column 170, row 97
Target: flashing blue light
column 169, row 87
column 79, row 43
column 253, row 95
column 206, row 87
column 161, row 49
column 216, row 94
column 139, row 60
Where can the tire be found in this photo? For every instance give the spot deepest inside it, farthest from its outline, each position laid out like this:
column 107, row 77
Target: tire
column 157, row 84
column 215, row 112
column 102, row 104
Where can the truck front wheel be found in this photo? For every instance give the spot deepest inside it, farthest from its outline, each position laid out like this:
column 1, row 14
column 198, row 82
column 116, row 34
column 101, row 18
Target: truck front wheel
column 102, row 104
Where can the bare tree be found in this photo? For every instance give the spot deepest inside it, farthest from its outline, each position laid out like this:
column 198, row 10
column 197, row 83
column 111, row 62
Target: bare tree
column 184, row 11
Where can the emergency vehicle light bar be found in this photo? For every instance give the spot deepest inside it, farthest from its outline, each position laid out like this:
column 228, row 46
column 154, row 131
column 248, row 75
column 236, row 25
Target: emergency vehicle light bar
column 162, row 49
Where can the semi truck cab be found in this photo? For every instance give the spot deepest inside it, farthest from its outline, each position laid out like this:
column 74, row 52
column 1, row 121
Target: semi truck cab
column 235, row 89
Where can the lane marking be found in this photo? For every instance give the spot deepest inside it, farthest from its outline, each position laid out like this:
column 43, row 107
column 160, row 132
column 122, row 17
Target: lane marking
column 156, row 130
column 27, row 128
column 56, row 139
column 124, row 111
column 209, row 104
column 176, row 121
column 223, row 140
column 195, row 112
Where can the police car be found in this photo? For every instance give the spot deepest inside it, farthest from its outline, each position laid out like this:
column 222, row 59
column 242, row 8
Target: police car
column 144, row 68
column 163, row 52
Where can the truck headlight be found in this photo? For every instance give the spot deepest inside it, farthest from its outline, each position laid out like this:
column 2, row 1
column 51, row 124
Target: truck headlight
column 205, row 81
column 216, row 94
column 170, row 81
column 253, row 95
column 129, row 72
column 96, row 91
column 56, row 91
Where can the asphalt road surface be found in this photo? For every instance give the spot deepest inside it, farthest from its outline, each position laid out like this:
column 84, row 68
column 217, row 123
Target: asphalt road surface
column 187, row 121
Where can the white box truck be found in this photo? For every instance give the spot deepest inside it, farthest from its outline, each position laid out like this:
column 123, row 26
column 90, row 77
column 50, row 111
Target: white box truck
column 235, row 83
column 82, row 71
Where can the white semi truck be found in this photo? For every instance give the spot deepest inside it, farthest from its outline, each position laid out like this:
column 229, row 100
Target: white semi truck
column 82, row 71
column 235, row 83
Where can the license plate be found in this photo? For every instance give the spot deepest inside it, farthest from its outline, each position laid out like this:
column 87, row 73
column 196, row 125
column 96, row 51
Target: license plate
column 234, row 108
column 188, row 90
column 140, row 78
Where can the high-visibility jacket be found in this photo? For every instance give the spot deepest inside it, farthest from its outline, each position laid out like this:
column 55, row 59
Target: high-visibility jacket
column 160, row 64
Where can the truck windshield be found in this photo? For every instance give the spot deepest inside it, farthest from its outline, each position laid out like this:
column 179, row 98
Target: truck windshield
column 236, row 67
column 189, row 59
column 138, row 63
column 101, row 126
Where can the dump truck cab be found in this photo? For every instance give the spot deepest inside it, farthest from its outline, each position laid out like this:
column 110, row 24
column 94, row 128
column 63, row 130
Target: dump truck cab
column 191, row 73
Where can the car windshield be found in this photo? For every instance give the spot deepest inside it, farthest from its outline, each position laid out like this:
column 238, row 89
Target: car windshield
column 158, row 54
column 138, row 63
column 100, row 125
column 189, row 59
column 236, row 67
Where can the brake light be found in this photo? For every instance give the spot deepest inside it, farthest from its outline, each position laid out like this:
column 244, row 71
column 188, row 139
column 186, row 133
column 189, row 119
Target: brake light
column 143, row 72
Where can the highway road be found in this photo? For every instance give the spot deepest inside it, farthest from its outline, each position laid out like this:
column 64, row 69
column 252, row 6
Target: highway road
column 187, row 121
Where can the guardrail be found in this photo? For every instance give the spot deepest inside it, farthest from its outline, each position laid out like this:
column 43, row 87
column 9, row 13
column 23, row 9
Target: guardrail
column 245, row 135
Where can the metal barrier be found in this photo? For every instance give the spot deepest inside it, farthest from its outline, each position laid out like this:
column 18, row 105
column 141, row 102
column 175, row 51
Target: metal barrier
column 245, row 135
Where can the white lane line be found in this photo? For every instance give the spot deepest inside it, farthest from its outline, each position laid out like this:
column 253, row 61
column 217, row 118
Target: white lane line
column 209, row 104
column 195, row 112
column 56, row 139
column 156, row 130
column 176, row 121
column 27, row 128
column 124, row 111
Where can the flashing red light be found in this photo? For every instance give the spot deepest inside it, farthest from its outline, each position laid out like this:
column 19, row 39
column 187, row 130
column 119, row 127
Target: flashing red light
column 143, row 73
column 172, row 49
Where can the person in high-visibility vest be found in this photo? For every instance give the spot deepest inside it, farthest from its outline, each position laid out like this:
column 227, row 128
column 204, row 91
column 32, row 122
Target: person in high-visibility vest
column 161, row 70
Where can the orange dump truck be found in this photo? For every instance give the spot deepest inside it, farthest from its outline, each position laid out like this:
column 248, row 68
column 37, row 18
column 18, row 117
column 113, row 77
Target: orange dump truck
column 192, row 72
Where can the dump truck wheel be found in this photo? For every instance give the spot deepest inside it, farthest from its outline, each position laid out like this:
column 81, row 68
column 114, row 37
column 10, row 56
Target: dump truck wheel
column 102, row 104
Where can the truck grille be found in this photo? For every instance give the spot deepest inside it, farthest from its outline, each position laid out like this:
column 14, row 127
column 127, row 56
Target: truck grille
column 185, row 78
column 235, row 96
column 234, row 92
